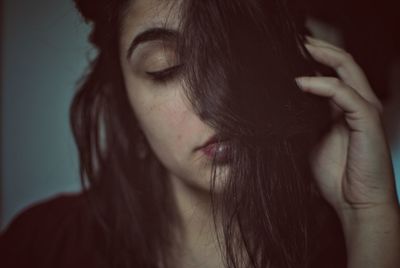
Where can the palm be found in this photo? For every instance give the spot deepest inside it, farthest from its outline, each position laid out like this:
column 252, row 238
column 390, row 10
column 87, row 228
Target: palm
column 329, row 163
column 347, row 164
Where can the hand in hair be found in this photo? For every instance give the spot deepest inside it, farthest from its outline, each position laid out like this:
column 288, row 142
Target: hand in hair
column 352, row 164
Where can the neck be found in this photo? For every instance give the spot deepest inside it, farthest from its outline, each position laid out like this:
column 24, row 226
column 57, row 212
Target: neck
column 199, row 244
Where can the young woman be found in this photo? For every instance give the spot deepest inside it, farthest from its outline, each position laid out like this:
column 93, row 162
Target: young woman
column 211, row 135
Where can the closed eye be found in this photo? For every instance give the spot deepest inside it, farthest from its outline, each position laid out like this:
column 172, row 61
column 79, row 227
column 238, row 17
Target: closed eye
column 165, row 74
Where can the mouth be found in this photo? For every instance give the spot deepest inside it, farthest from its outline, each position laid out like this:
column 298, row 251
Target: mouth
column 212, row 140
column 215, row 148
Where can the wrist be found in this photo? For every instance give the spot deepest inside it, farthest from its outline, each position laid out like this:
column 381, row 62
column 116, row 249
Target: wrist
column 370, row 215
column 372, row 236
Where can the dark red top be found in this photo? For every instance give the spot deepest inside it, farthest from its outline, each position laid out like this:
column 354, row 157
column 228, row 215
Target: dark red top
column 58, row 233
column 53, row 233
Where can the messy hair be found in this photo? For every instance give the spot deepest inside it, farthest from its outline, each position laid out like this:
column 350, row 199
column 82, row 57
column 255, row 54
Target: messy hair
column 239, row 59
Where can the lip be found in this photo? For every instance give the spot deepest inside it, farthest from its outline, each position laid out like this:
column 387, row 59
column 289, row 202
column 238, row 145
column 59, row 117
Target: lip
column 213, row 139
column 215, row 148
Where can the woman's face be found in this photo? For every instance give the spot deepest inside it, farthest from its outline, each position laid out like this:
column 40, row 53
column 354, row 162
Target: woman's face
column 171, row 127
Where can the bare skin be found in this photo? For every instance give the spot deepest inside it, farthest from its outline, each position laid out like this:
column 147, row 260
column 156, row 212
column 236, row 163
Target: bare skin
column 352, row 164
column 172, row 129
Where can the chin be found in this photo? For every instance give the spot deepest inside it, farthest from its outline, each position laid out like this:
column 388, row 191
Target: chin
column 203, row 181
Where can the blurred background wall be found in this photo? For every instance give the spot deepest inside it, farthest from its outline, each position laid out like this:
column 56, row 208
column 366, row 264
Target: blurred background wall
column 43, row 54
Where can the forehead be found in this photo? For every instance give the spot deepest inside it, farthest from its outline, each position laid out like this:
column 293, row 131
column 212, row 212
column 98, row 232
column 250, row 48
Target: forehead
column 140, row 15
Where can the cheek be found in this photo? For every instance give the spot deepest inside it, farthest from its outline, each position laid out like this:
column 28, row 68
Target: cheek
column 170, row 127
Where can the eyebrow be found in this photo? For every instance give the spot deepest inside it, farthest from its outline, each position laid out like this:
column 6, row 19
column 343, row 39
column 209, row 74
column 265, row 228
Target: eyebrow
column 151, row 34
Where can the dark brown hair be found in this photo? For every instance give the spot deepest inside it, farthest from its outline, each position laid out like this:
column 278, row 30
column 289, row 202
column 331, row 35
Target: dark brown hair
column 239, row 59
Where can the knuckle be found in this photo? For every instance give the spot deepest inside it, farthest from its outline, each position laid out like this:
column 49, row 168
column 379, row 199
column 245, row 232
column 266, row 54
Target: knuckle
column 336, row 82
column 379, row 106
column 341, row 49
column 347, row 56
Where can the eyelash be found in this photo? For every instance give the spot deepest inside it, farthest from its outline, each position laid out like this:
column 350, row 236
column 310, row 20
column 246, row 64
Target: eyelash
column 166, row 74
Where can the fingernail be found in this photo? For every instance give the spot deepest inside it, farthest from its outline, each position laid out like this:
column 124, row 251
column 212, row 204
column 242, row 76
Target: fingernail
column 299, row 81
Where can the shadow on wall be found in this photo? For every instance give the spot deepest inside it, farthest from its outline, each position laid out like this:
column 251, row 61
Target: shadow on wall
column 392, row 119
column 392, row 110
column 1, row 110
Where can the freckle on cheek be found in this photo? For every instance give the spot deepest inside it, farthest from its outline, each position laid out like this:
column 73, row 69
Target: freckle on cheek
column 179, row 138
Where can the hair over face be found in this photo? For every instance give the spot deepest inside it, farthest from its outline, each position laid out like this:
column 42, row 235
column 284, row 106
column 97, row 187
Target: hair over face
column 239, row 58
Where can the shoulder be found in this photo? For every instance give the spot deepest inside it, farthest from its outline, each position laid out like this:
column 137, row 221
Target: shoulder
column 49, row 233
column 56, row 207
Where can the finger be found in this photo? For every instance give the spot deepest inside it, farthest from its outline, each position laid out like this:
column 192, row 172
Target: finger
column 359, row 113
column 322, row 43
column 348, row 70
column 342, row 62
